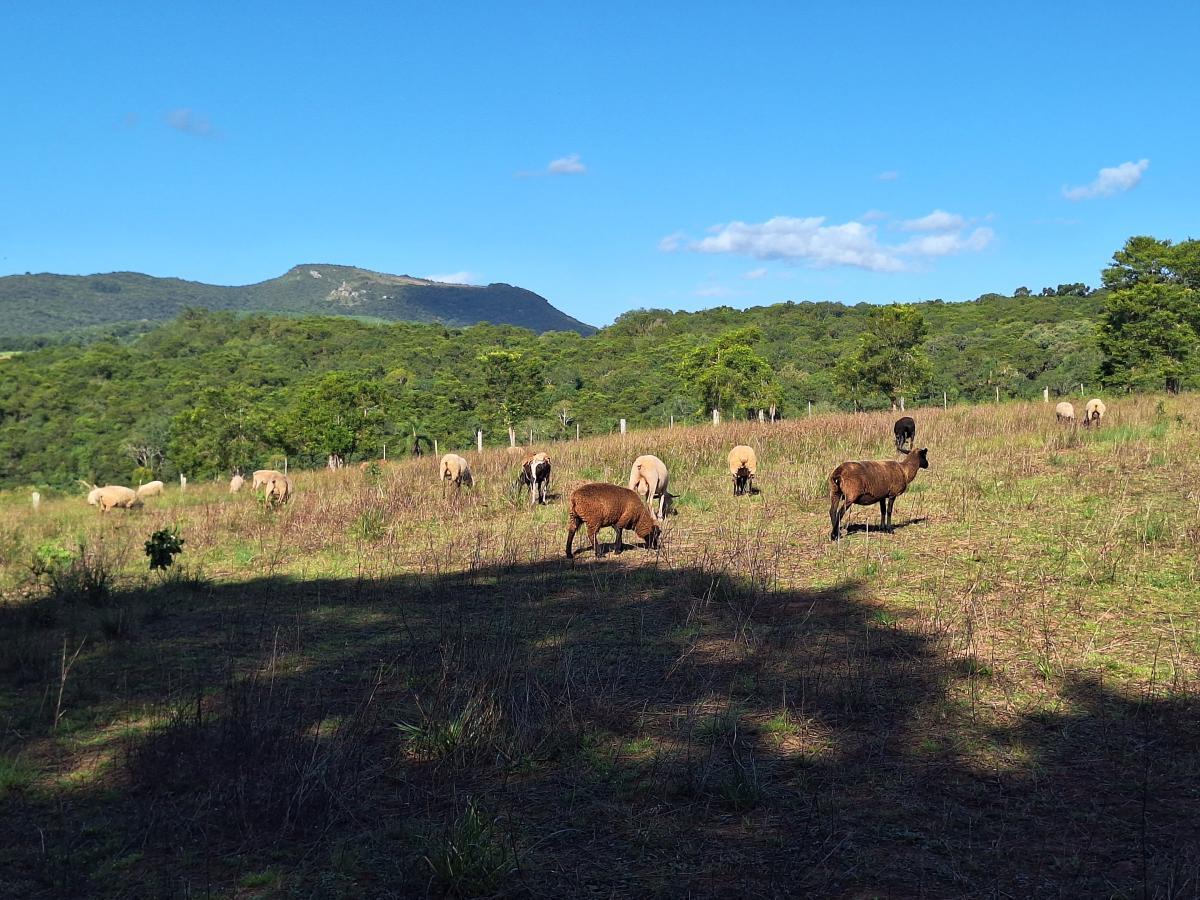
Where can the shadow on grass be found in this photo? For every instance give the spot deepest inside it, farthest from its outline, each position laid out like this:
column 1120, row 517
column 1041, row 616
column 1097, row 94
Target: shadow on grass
column 554, row 729
column 864, row 527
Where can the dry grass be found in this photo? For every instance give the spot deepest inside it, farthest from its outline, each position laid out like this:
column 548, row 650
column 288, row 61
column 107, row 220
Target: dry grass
column 382, row 690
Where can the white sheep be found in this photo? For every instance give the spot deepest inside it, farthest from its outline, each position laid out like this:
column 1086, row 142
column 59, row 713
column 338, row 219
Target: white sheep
column 1094, row 411
column 262, row 476
column 743, row 466
column 235, row 483
column 455, row 470
column 278, row 490
column 535, row 474
column 1064, row 412
column 648, row 477
column 151, row 489
column 114, row 496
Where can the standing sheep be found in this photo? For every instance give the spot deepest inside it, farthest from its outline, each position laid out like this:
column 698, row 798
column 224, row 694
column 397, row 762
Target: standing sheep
column 609, row 506
column 151, row 489
column 648, row 477
column 235, row 483
column 535, row 474
column 905, row 430
column 1064, row 412
column 869, row 482
column 743, row 466
column 114, row 497
column 1094, row 411
column 278, row 490
column 455, row 470
column 262, row 476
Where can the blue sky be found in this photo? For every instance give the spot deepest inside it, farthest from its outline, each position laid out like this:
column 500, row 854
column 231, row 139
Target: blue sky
column 608, row 156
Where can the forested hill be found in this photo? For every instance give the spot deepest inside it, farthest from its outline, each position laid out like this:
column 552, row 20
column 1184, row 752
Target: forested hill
column 51, row 305
column 214, row 390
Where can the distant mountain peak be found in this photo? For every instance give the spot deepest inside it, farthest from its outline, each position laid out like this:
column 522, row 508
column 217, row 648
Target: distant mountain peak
column 49, row 304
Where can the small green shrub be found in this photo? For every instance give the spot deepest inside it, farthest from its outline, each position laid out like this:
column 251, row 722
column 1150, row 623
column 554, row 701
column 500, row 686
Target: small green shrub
column 162, row 548
column 470, row 858
column 369, row 526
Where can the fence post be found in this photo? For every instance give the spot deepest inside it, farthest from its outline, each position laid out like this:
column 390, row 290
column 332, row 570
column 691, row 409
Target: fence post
column 672, row 421
column 944, row 406
column 576, row 431
column 435, row 453
column 1045, row 395
column 479, row 440
column 37, row 500
column 716, row 417
column 622, row 426
column 901, row 404
column 182, row 482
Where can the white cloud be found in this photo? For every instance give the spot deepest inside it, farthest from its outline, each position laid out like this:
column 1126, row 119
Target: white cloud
column 889, row 175
column 1109, row 181
column 454, row 278
column 566, row 165
column 948, row 243
column 873, row 215
column 812, row 242
column 187, row 121
column 938, row 220
column 755, row 274
column 672, row 242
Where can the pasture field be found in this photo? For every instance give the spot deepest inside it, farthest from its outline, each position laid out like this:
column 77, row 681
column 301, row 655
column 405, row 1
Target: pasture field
column 380, row 691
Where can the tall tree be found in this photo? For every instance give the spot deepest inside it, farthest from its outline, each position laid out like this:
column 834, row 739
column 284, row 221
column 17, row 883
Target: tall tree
column 889, row 359
column 728, row 374
column 512, row 386
column 1150, row 335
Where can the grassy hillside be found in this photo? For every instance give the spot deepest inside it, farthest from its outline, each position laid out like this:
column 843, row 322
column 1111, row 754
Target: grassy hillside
column 378, row 690
column 56, row 304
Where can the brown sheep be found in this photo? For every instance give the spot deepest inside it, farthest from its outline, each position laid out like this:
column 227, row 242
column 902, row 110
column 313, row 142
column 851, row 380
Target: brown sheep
column 535, row 474
column 743, row 466
column 610, row 506
column 872, row 481
column 649, row 478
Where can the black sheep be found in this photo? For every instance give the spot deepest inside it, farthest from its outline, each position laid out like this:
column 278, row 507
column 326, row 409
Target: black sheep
column 906, row 433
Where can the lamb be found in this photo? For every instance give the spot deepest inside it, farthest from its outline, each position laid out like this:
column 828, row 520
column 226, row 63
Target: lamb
column 906, row 434
column 1094, row 411
column 114, row 496
column 610, row 506
column 871, row 482
column 262, row 476
column 278, row 490
column 535, row 473
column 743, row 466
column 1064, row 412
column 235, row 483
column 648, row 477
column 455, row 470
column 151, row 489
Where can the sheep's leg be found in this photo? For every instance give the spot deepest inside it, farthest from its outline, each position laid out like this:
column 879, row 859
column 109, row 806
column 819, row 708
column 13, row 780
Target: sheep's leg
column 890, row 503
column 593, row 535
column 572, row 527
column 883, row 521
column 835, row 514
column 620, row 546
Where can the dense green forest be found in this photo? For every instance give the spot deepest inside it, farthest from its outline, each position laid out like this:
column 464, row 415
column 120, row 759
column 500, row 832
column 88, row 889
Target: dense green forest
column 211, row 391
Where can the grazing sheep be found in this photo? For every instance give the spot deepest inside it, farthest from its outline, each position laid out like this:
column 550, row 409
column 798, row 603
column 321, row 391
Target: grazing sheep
column 151, row 489
column 1094, row 411
column 455, row 470
column 1064, row 412
column 648, row 477
column 906, row 434
column 262, row 476
column 278, row 490
column 235, row 483
column 871, row 482
column 114, row 497
column 743, row 466
column 535, row 474
column 610, row 506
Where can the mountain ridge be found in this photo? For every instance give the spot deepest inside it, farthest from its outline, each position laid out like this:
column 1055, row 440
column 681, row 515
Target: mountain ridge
column 49, row 304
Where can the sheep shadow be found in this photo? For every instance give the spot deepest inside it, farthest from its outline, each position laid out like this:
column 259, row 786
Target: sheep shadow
column 621, row 729
column 865, row 527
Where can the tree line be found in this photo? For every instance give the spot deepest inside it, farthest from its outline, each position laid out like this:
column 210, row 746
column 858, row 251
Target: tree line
column 211, row 392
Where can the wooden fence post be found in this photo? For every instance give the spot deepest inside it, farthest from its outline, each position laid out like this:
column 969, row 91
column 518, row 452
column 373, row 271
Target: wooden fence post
column 716, row 417
column 622, row 426
column 479, row 440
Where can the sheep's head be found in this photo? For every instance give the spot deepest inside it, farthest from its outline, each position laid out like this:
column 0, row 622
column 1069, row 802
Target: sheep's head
column 922, row 453
column 652, row 539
